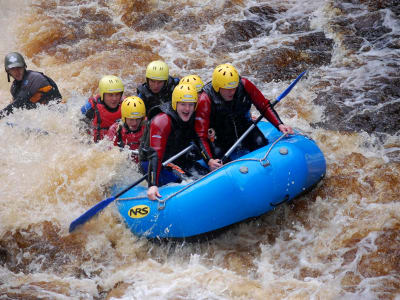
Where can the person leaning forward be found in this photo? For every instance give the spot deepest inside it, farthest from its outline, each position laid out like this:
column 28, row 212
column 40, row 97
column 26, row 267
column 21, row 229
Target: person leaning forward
column 224, row 105
column 170, row 131
column 29, row 88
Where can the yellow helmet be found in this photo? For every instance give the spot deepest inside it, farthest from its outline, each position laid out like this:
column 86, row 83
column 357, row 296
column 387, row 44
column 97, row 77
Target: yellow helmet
column 132, row 108
column 157, row 70
column 110, row 84
column 225, row 76
column 185, row 93
column 194, row 80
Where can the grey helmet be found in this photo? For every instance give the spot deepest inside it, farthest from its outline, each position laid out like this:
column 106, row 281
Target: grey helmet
column 13, row 60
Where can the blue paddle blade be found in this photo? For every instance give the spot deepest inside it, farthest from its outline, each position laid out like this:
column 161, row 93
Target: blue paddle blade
column 101, row 205
column 90, row 213
column 285, row 92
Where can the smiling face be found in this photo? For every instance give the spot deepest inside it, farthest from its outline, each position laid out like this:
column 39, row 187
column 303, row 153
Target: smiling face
column 112, row 100
column 156, row 85
column 133, row 124
column 17, row 73
column 227, row 94
column 185, row 110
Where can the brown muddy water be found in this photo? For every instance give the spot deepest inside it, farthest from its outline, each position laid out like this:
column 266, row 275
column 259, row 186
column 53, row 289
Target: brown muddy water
column 340, row 241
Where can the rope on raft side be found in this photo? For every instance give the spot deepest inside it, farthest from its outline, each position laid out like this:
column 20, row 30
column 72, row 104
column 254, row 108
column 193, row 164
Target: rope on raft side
column 161, row 202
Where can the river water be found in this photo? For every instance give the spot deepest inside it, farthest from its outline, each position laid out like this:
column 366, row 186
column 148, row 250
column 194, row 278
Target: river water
column 340, row 241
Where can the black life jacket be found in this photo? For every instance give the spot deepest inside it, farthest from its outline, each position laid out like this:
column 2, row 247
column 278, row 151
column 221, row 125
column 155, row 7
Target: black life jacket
column 181, row 135
column 165, row 95
column 230, row 119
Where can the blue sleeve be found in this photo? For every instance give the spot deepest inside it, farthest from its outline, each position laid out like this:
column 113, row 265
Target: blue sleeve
column 86, row 107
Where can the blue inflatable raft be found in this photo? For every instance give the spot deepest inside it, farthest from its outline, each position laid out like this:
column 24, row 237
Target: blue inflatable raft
column 244, row 188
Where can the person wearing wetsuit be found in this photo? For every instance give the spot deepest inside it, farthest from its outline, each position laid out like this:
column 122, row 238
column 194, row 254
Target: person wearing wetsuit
column 159, row 85
column 129, row 130
column 171, row 129
column 29, row 88
column 101, row 111
column 224, row 105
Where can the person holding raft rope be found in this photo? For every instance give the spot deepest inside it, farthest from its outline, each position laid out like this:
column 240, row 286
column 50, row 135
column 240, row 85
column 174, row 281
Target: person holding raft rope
column 29, row 88
column 170, row 129
column 224, row 106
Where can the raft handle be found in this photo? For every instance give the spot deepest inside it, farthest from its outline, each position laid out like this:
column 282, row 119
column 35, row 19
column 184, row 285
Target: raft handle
column 266, row 163
column 161, row 204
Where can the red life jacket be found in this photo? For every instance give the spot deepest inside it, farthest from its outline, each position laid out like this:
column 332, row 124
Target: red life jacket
column 122, row 137
column 103, row 118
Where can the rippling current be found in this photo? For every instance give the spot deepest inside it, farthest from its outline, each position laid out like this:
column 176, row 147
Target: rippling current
column 340, row 241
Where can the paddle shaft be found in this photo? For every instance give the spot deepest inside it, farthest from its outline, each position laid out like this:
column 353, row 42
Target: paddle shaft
column 103, row 204
column 169, row 160
column 243, row 136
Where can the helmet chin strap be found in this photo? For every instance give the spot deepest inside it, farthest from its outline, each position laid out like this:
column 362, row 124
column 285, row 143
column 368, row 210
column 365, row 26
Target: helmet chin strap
column 8, row 77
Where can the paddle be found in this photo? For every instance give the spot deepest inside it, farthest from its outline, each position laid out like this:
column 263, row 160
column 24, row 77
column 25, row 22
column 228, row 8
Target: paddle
column 28, row 129
column 101, row 205
column 280, row 97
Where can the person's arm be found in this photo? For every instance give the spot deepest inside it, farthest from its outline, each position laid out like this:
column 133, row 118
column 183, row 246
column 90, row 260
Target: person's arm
column 264, row 107
column 160, row 129
column 17, row 103
column 112, row 133
column 29, row 95
column 201, row 124
column 261, row 103
column 87, row 109
column 39, row 88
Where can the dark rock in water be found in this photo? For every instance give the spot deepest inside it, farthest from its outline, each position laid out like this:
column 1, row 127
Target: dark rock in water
column 385, row 120
column 266, row 12
column 315, row 41
column 153, row 21
column 378, row 113
column 335, row 111
column 287, row 64
column 351, row 42
column 374, row 5
column 238, row 32
column 289, row 26
column 3, row 256
column 242, row 31
column 391, row 41
column 370, row 26
column 186, row 24
column 358, row 29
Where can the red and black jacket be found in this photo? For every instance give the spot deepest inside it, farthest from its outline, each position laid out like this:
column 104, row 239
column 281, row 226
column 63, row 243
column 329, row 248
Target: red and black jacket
column 165, row 136
column 230, row 119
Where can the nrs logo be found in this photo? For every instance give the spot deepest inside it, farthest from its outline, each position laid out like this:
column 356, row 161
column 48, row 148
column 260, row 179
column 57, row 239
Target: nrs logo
column 139, row 211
